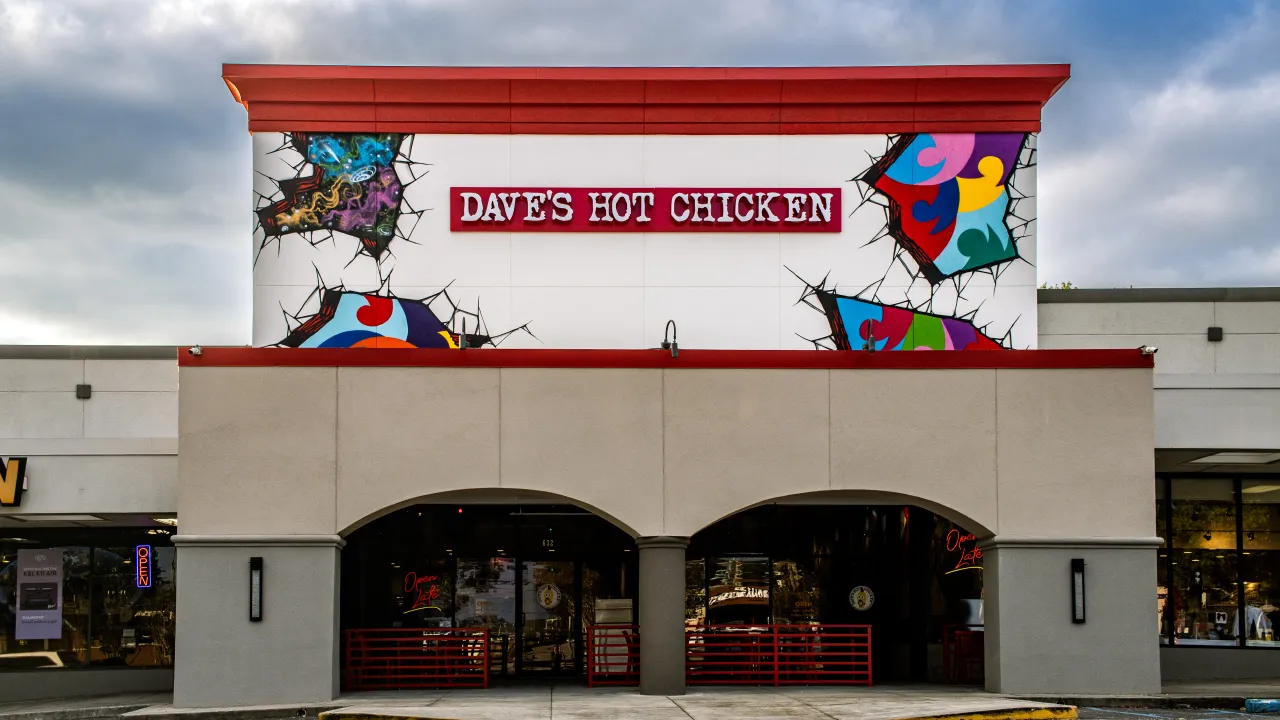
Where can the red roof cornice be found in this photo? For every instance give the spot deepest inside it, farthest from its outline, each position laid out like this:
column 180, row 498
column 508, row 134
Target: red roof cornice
column 637, row 101
column 687, row 359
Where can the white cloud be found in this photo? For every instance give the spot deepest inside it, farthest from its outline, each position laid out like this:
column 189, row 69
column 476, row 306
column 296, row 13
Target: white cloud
column 1180, row 194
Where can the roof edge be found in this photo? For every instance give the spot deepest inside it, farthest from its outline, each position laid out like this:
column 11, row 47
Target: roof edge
column 691, row 359
column 1158, row 295
column 88, row 352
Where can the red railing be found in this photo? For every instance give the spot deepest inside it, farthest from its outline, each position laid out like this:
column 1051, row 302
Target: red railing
column 613, row 655
column 962, row 654
column 778, row 655
column 423, row 658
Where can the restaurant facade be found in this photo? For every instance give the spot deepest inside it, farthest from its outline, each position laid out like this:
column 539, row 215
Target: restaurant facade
column 613, row 376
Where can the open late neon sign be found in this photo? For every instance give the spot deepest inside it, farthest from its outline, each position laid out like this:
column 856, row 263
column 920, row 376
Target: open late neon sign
column 967, row 545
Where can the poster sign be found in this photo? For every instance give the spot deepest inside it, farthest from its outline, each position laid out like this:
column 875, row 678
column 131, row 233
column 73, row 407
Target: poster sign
column 549, row 596
column 39, row 590
column 742, row 210
column 861, row 598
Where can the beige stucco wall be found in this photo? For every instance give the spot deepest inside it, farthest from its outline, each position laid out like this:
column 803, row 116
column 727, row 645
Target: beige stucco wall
column 1024, row 453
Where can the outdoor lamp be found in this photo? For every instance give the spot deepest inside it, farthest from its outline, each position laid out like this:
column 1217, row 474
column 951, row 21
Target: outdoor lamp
column 255, row 589
column 671, row 344
column 1077, row 591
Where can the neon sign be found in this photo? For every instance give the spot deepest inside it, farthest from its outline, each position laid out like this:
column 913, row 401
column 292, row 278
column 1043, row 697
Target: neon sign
column 425, row 590
column 970, row 555
column 142, row 565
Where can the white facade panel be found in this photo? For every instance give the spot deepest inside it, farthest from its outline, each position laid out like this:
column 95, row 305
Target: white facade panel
column 579, row 289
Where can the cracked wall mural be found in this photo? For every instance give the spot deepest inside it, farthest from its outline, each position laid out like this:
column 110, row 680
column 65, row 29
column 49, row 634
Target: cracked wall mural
column 936, row 251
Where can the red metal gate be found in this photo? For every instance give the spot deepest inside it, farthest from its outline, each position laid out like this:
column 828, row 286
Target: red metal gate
column 963, row 654
column 778, row 655
column 398, row 658
column 613, row 655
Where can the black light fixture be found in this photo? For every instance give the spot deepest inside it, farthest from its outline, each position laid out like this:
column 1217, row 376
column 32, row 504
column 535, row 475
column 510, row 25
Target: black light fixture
column 671, row 344
column 1077, row 591
column 1208, row 535
column 255, row 589
column 870, row 344
column 1215, row 334
column 1250, row 535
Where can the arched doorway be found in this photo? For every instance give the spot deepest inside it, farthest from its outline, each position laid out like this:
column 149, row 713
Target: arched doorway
column 913, row 575
column 532, row 569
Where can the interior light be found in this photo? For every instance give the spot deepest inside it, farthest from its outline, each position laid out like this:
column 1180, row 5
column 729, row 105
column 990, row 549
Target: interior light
column 1208, row 536
column 459, row 511
column 1238, row 458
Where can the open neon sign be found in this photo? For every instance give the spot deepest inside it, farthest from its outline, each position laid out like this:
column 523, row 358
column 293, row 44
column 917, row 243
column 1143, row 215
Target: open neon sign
column 424, row 589
column 967, row 545
column 142, row 565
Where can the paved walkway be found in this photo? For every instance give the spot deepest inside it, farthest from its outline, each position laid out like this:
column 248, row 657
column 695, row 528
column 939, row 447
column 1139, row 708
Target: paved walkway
column 564, row 702
column 572, row 702
column 556, row 702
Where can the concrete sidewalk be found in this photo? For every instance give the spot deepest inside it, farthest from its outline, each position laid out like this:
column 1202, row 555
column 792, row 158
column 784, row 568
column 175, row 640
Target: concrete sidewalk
column 557, row 702
column 554, row 702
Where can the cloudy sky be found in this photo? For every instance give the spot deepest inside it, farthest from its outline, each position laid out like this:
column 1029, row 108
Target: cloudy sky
column 125, row 165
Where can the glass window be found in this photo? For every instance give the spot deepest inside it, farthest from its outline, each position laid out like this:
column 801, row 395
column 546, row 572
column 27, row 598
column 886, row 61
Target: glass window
column 695, row 592
column 1164, row 609
column 133, row 625
column 1204, row 562
column 1260, row 563
column 796, row 598
column 739, row 591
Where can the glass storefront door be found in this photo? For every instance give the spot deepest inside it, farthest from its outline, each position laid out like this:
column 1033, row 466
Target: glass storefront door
column 549, row 617
column 486, row 597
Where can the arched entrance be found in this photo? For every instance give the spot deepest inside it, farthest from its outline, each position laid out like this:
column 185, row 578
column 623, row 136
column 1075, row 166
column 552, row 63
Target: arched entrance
column 909, row 573
column 533, row 570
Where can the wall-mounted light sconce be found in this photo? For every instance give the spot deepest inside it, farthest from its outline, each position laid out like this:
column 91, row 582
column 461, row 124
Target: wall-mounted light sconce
column 1077, row 591
column 671, row 344
column 255, row 589
column 1208, row 535
column 1215, row 334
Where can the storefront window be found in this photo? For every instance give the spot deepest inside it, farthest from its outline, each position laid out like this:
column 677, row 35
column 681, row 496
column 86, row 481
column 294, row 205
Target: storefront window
column 1204, row 562
column 1164, row 609
column 132, row 619
column 738, row 592
column 106, row 616
column 1260, row 561
column 695, row 592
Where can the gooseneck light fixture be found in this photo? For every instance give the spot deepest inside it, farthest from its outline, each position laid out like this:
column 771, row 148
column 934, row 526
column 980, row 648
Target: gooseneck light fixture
column 670, row 344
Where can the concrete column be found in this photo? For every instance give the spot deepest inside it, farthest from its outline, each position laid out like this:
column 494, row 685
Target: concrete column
column 662, row 615
column 291, row 655
column 1032, row 645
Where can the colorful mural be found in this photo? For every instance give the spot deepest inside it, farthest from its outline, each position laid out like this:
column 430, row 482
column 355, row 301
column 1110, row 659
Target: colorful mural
column 948, row 199
column 861, row 324
column 353, row 188
column 351, row 319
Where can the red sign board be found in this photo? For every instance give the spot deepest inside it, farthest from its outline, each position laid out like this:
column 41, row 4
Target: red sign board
column 514, row 209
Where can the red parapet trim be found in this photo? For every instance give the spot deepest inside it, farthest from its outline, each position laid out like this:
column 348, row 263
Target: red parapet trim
column 662, row 359
column 692, row 101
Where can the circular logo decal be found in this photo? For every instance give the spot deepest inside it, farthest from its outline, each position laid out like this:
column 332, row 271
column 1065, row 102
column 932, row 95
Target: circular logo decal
column 861, row 598
column 549, row 596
